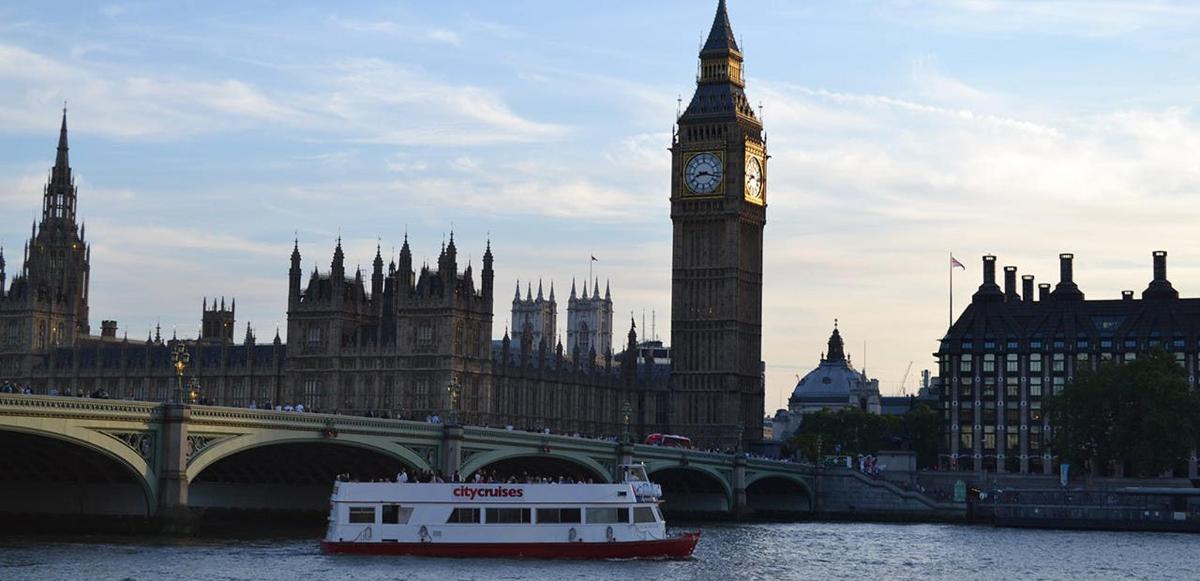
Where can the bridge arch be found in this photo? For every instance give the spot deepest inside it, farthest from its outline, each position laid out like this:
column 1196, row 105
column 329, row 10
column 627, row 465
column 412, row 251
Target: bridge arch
column 283, row 472
column 691, row 488
column 227, row 447
column 129, row 487
column 780, row 494
column 485, row 459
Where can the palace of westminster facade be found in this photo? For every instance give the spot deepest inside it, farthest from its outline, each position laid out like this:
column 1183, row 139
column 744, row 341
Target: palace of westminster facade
column 412, row 341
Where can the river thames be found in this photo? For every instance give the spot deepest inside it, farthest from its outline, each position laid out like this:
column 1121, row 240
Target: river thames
column 734, row 551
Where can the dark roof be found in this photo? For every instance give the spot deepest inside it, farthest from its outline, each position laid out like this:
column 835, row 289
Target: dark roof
column 1159, row 316
column 720, row 37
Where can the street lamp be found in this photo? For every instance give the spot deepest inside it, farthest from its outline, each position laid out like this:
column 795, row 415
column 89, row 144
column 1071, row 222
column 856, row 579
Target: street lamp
column 180, row 358
column 627, row 410
column 454, row 389
column 193, row 390
column 740, row 429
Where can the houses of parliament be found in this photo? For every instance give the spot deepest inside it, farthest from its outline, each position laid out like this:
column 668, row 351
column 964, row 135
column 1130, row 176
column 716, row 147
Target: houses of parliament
column 413, row 341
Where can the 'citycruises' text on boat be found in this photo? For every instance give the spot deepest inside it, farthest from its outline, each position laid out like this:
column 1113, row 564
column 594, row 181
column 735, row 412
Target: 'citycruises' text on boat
column 471, row 519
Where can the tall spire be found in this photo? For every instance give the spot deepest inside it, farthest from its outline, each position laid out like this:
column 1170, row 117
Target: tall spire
column 720, row 37
column 62, row 160
column 59, row 198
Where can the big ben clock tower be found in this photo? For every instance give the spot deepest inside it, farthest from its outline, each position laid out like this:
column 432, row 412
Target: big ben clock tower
column 718, row 210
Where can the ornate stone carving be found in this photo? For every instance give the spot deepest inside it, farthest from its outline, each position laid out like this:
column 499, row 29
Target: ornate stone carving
column 141, row 442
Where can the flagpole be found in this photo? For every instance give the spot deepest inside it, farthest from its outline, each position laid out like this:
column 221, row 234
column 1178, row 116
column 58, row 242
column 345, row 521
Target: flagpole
column 951, row 316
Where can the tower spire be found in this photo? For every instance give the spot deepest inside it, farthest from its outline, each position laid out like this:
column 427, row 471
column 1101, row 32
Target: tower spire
column 62, row 160
column 720, row 36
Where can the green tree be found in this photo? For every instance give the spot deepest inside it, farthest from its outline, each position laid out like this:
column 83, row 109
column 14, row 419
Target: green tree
column 1141, row 413
column 851, row 431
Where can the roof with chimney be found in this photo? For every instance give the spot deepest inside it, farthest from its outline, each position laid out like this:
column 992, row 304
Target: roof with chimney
column 1064, row 319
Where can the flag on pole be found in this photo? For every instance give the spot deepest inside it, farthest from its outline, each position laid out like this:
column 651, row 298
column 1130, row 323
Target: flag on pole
column 953, row 263
column 594, row 259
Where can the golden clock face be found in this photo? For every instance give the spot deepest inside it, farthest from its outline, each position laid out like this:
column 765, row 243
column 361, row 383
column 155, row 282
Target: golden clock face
column 754, row 179
column 703, row 173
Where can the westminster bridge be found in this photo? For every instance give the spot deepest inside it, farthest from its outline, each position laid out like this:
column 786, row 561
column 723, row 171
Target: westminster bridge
column 75, row 456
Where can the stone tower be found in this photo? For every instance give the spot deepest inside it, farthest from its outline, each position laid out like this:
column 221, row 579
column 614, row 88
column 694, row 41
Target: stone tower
column 718, row 209
column 47, row 303
column 217, row 323
column 589, row 322
column 535, row 316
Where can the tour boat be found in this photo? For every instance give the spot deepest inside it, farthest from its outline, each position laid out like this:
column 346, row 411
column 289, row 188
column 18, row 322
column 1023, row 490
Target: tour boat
column 472, row 519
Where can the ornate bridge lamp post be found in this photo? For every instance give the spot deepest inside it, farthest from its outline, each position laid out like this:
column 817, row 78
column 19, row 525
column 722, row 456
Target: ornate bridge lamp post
column 180, row 358
column 193, row 390
column 454, row 389
column 740, row 430
column 627, row 411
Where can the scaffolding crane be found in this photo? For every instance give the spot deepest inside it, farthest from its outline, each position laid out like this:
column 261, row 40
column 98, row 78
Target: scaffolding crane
column 904, row 380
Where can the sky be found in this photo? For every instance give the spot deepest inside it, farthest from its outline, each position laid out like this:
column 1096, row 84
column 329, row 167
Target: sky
column 205, row 136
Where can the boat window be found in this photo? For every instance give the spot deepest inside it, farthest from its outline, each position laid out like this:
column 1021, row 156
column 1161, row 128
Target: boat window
column 643, row 514
column 362, row 514
column 558, row 515
column 509, row 515
column 394, row 514
column 607, row 515
column 657, row 514
column 464, row 515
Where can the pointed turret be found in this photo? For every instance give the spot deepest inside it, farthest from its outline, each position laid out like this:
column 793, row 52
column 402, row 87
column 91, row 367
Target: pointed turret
column 405, row 267
column 836, row 350
column 608, row 290
column 3, row 274
column 488, row 275
column 338, row 265
column 517, row 293
column 629, row 359
column 59, row 200
column 720, row 84
column 572, row 288
column 551, row 289
column 62, row 160
column 539, row 295
column 720, row 37
column 528, row 291
column 294, row 273
column 377, row 275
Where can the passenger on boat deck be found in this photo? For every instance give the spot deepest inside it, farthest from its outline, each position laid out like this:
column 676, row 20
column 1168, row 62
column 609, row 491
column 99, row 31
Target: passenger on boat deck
column 456, row 477
column 478, row 477
column 402, row 477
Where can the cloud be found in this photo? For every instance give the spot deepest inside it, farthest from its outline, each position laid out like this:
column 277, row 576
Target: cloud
column 869, row 192
column 392, row 28
column 1079, row 18
column 359, row 100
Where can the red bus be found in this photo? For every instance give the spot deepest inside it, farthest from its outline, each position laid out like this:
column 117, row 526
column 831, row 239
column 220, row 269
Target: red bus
column 669, row 441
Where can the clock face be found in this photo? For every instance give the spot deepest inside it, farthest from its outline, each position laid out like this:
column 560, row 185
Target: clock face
column 754, row 180
column 703, row 173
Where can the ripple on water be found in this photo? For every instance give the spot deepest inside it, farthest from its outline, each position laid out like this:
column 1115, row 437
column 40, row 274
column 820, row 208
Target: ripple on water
column 740, row 552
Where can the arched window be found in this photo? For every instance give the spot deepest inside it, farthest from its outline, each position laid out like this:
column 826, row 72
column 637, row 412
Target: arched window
column 585, row 340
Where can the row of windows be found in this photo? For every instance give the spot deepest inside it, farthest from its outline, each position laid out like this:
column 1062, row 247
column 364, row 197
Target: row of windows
column 1104, row 343
column 398, row 514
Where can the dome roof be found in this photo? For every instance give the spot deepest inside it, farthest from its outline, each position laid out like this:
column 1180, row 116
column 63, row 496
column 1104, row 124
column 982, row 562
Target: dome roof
column 833, row 377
